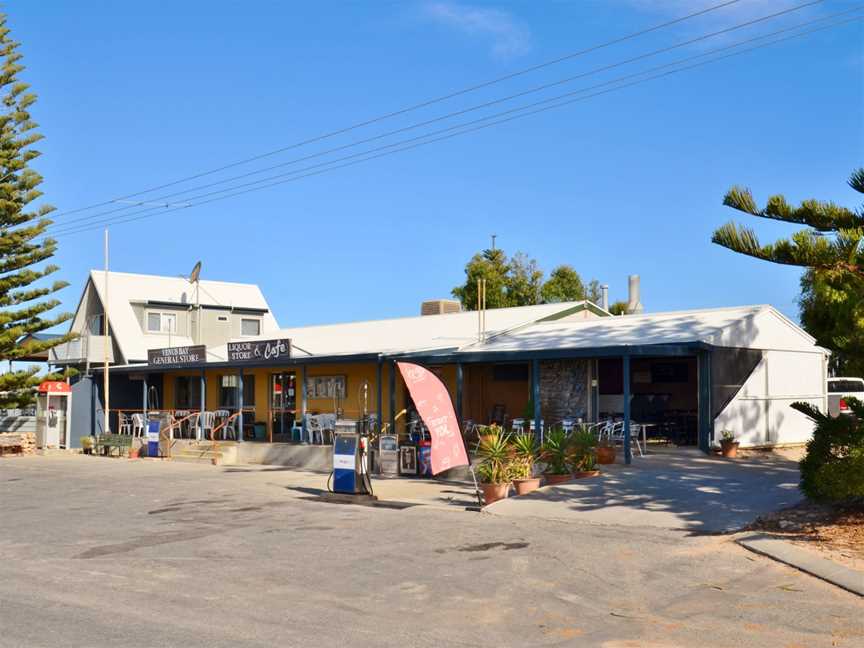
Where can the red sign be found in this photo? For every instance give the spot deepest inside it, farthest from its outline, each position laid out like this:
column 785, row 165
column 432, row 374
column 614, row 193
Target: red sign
column 433, row 404
column 54, row 387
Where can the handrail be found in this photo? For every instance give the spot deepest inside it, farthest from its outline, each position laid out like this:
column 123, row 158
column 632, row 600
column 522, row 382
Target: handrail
column 214, row 442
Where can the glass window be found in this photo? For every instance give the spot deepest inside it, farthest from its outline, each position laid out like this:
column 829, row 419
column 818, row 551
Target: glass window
column 228, row 391
column 97, row 325
column 250, row 327
column 162, row 322
column 187, row 392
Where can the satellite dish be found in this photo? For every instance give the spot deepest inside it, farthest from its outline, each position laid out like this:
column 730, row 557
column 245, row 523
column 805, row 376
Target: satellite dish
column 196, row 272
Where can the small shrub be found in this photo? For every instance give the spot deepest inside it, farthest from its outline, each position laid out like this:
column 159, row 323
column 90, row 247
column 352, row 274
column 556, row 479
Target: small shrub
column 833, row 468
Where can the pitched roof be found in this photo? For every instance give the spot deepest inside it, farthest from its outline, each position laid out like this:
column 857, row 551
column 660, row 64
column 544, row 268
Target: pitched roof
column 423, row 332
column 760, row 326
column 126, row 288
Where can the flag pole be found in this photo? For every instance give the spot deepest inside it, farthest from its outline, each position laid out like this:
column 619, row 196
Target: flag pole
column 105, row 381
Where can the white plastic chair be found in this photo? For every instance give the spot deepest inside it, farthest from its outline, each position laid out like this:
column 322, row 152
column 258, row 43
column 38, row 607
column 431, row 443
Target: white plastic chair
column 208, row 422
column 517, row 426
column 138, row 426
column 125, row 424
column 314, row 429
column 615, row 433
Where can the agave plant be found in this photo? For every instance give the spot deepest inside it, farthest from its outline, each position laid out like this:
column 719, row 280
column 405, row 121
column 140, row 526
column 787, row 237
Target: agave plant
column 581, row 452
column 524, row 451
column 496, row 460
column 555, row 452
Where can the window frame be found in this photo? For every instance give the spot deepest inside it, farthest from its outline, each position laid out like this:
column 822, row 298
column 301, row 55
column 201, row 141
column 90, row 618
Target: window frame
column 163, row 317
column 257, row 321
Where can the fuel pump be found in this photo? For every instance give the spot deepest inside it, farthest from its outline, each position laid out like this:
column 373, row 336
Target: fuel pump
column 351, row 464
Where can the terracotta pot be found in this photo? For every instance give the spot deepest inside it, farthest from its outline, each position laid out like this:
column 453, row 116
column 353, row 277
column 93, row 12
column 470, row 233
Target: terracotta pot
column 525, row 486
column 494, row 492
column 729, row 449
column 552, row 480
column 582, row 474
column 605, row 454
column 134, row 453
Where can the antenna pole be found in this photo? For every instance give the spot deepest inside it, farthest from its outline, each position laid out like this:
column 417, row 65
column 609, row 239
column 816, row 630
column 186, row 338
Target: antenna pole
column 105, row 381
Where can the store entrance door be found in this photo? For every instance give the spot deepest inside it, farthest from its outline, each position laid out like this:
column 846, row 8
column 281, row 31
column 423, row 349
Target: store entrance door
column 283, row 404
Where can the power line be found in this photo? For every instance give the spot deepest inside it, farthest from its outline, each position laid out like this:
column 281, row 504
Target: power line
column 462, row 132
column 412, row 141
column 540, row 88
column 423, row 104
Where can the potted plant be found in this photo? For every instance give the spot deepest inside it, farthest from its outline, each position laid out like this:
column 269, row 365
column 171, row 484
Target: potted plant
column 489, row 431
column 495, row 466
column 728, row 444
column 134, row 453
column 86, row 444
column 524, row 456
column 583, row 461
column 555, row 453
column 605, row 451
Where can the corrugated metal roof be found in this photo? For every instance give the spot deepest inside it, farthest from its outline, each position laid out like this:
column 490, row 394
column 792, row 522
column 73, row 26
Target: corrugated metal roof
column 409, row 334
column 126, row 288
column 760, row 326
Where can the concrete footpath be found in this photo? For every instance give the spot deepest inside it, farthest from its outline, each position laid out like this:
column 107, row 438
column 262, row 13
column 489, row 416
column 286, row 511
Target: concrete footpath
column 785, row 552
column 678, row 489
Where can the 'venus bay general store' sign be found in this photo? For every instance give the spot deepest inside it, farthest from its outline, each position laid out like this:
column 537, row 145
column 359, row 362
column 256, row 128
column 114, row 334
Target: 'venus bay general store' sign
column 255, row 350
column 177, row 355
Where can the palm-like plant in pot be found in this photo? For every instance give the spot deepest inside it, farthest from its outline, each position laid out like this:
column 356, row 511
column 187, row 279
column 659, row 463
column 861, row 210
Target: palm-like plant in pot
column 496, row 466
column 582, row 450
column 555, row 453
column 525, row 451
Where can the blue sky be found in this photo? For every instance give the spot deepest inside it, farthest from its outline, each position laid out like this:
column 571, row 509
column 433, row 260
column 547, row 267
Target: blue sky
column 133, row 95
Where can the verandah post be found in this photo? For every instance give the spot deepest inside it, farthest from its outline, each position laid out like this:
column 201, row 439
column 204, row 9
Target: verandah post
column 380, row 395
column 240, row 405
column 392, row 396
column 535, row 396
column 628, row 455
column 459, row 380
column 203, row 399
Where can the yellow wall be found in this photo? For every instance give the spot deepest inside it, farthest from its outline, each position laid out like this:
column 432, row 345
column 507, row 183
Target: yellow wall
column 480, row 393
column 355, row 375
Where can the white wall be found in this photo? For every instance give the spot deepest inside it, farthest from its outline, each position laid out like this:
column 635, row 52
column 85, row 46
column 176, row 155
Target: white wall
column 760, row 413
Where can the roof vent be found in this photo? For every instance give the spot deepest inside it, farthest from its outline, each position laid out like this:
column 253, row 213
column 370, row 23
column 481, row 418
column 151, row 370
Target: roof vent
column 440, row 307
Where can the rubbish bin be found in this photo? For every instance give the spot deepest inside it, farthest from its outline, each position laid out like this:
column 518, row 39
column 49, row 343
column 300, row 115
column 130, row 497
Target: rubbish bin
column 153, row 428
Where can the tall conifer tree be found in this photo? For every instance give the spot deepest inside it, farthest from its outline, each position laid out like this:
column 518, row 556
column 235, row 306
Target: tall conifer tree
column 24, row 308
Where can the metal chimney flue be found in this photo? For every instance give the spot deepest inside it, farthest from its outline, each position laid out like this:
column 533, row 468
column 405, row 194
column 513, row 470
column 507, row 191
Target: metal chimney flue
column 604, row 297
column 634, row 303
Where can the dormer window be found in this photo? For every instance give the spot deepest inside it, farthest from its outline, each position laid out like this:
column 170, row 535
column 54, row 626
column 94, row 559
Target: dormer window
column 250, row 327
column 159, row 322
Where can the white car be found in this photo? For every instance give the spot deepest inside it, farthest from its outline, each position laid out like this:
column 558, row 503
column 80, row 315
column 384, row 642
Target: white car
column 838, row 389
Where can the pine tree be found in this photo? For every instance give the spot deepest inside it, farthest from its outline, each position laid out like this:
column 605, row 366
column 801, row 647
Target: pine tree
column 832, row 289
column 832, row 243
column 22, row 251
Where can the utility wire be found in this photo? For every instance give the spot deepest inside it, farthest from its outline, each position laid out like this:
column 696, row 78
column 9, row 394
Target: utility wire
column 536, row 89
column 417, row 145
column 418, row 106
column 153, row 212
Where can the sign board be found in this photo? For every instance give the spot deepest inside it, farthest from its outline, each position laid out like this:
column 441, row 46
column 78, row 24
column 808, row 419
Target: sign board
column 256, row 350
column 186, row 355
column 433, row 403
column 54, row 387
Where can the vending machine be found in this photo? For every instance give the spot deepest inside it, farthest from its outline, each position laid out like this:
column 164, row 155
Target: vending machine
column 53, row 414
